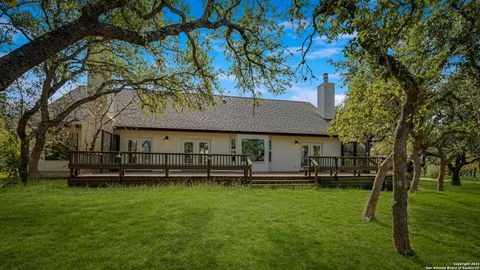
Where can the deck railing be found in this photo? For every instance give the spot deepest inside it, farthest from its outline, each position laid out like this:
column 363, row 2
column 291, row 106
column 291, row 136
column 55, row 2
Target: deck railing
column 122, row 161
column 355, row 164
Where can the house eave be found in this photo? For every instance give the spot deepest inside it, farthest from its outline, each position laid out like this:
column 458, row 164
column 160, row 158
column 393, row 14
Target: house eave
column 227, row 131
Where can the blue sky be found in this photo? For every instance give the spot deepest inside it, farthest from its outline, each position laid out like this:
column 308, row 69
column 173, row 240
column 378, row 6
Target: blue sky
column 318, row 59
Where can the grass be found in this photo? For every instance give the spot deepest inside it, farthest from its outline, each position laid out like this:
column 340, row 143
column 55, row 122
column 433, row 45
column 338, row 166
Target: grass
column 51, row 226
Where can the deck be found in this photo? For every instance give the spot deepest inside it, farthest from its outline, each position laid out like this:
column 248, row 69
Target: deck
column 127, row 168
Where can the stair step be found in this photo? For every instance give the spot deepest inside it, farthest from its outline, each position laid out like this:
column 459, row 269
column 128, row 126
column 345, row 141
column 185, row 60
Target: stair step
column 280, row 181
column 283, row 185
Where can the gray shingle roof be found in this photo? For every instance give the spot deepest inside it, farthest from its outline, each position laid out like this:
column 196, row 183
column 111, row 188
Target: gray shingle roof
column 236, row 114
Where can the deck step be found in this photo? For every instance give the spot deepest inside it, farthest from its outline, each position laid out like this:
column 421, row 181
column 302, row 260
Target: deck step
column 283, row 185
column 285, row 182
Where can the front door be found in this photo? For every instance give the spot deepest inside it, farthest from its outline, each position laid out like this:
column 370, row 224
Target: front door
column 140, row 145
column 196, row 147
column 309, row 149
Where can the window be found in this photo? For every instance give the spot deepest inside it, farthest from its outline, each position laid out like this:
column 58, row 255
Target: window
column 269, row 150
column 60, row 150
column 146, row 146
column 106, row 141
column 348, row 149
column 233, row 149
column 188, row 149
column 139, row 145
column 255, row 148
column 317, row 150
column 132, row 147
column 110, row 141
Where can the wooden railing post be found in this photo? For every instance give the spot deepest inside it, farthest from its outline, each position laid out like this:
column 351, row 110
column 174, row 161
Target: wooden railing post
column 336, row 168
column 250, row 173
column 70, row 164
column 165, row 157
column 309, row 167
column 245, row 172
column 121, row 173
column 209, row 165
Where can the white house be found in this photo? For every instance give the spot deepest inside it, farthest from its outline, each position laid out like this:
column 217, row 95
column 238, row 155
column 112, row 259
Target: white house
column 279, row 135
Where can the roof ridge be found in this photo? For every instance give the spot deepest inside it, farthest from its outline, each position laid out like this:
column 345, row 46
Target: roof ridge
column 261, row 98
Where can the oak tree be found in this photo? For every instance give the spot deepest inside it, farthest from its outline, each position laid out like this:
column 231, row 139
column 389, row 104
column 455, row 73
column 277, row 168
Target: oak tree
column 412, row 42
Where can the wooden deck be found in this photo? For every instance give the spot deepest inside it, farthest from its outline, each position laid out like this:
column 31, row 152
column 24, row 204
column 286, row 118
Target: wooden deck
column 130, row 168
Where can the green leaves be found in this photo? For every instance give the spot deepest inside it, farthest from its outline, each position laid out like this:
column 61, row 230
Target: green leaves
column 370, row 109
column 11, row 3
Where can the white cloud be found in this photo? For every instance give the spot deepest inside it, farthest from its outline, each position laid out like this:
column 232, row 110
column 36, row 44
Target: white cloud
column 323, row 53
column 334, row 76
column 226, row 77
column 314, row 52
column 339, row 99
column 309, row 94
column 340, row 38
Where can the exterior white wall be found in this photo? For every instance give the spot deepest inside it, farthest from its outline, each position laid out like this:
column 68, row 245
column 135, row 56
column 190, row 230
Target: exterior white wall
column 219, row 143
column 53, row 168
column 286, row 155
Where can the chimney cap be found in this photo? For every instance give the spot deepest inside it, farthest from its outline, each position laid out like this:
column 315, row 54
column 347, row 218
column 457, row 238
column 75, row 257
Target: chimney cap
column 325, row 77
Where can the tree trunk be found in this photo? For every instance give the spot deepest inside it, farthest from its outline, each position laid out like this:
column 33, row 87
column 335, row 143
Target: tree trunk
column 40, row 141
column 417, row 167
column 24, row 147
column 455, row 172
column 441, row 175
column 93, row 143
column 460, row 161
column 24, row 159
column 401, row 238
column 370, row 208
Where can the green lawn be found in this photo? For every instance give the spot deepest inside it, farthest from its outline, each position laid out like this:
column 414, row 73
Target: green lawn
column 51, row 226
